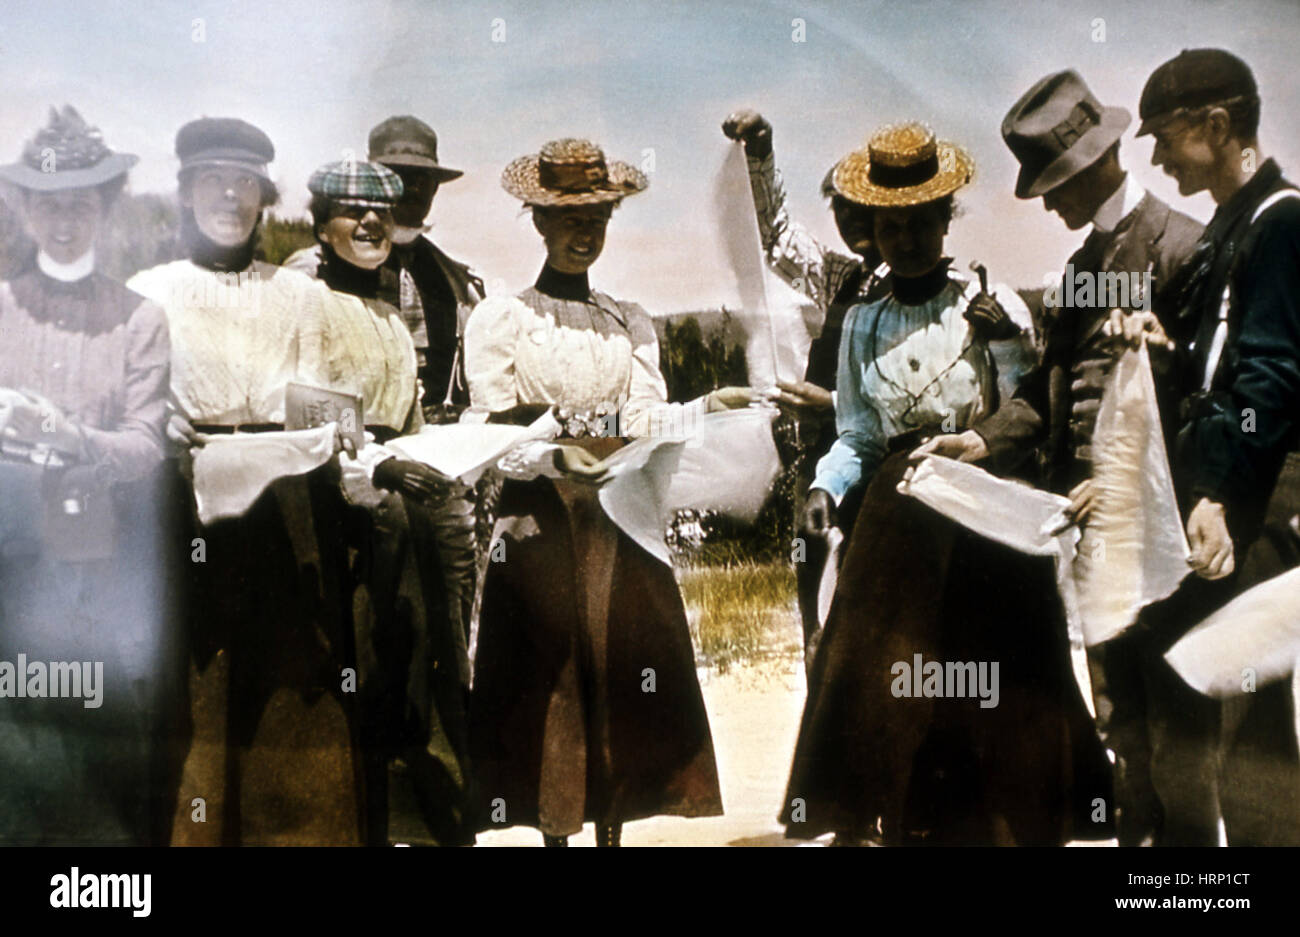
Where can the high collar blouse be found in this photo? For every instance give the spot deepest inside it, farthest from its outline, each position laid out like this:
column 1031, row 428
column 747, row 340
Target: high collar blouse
column 581, row 354
column 235, row 338
column 906, row 366
column 362, row 346
column 100, row 354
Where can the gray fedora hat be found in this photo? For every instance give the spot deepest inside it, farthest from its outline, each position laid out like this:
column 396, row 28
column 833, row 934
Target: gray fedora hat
column 1057, row 129
column 66, row 154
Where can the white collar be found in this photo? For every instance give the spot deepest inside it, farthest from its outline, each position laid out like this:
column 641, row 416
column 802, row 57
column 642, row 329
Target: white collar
column 79, row 269
column 1121, row 202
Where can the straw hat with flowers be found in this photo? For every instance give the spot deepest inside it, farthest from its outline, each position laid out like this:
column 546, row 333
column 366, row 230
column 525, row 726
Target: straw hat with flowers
column 570, row 172
column 902, row 165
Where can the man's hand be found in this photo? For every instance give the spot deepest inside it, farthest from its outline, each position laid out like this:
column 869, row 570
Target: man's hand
column 818, row 514
column 1126, row 329
column 728, row 398
column 964, row 447
column 579, row 464
column 989, row 319
column 752, row 130
column 415, row 480
column 802, row 398
column 1207, row 535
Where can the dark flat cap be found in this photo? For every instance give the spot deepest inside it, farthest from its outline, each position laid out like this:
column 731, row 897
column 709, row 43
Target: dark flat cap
column 1193, row 78
column 409, row 141
column 224, row 141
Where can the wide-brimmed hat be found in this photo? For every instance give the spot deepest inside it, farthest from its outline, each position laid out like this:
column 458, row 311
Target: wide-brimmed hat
column 352, row 183
column 901, row 165
column 224, row 141
column 408, row 141
column 1193, row 78
column 1057, row 129
column 66, row 154
column 571, row 172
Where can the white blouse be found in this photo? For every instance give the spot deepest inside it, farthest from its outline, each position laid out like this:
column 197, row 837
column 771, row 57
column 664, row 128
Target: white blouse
column 580, row 355
column 235, row 337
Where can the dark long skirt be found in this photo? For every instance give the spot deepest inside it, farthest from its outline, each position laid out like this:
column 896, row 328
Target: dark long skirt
column 943, row 770
column 585, row 704
column 71, row 773
column 275, row 757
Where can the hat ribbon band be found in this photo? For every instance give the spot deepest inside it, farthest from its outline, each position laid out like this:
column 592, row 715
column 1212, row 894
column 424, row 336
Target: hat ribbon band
column 1079, row 121
column 571, row 177
column 897, row 177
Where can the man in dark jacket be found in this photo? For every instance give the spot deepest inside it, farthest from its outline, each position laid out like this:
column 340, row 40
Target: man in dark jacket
column 1237, row 463
column 1068, row 146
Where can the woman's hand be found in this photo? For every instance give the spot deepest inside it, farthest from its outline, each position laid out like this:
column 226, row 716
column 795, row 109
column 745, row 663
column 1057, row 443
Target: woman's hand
column 415, row 480
column 802, row 398
column 728, row 398
column 579, row 464
column 1081, row 497
column 818, row 514
column 31, row 417
column 989, row 320
column 964, row 447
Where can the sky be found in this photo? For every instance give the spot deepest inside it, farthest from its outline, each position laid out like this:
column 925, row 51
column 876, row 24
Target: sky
column 650, row 81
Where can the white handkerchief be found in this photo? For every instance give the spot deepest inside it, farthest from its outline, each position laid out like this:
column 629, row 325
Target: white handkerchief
column 231, row 472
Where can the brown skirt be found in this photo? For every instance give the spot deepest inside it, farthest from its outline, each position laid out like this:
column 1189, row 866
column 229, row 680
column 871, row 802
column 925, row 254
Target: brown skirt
column 585, row 704
column 275, row 757
column 943, row 769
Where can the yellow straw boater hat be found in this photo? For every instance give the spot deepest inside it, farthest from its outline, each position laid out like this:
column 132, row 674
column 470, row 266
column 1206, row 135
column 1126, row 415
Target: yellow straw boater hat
column 902, row 165
column 570, row 172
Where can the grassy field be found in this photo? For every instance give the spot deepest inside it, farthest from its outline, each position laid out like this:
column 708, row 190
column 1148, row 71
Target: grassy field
column 740, row 611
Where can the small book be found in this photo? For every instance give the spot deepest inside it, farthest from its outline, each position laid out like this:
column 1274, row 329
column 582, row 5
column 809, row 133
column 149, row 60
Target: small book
column 306, row 407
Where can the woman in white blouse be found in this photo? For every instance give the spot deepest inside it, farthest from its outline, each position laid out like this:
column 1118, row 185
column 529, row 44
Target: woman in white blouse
column 585, row 705
column 1013, row 759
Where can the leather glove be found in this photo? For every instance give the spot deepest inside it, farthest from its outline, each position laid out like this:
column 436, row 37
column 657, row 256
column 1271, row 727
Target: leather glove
column 989, row 319
column 415, row 480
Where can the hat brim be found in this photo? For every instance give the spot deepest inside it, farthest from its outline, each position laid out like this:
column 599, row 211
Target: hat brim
column 108, row 168
column 414, row 161
column 258, row 169
column 1155, row 122
column 851, row 179
column 1031, row 183
column 521, row 179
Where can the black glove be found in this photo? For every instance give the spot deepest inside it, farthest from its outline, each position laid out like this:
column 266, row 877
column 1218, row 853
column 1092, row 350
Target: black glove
column 413, row 479
column 989, row 319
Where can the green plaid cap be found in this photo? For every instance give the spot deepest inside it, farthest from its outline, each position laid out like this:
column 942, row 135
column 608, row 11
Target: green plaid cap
column 356, row 183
